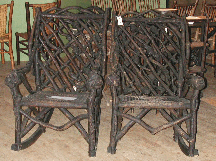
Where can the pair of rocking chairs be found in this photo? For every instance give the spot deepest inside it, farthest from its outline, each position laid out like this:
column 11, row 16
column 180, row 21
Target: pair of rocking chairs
column 149, row 72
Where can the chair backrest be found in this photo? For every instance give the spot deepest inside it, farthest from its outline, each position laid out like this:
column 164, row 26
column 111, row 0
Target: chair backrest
column 149, row 54
column 186, row 9
column 3, row 18
column 80, row 49
column 209, row 10
column 43, row 7
column 148, row 4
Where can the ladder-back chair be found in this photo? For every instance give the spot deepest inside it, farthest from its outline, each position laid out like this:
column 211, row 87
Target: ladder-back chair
column 22, row 38
column 66, row 76
column 147, row 76
column 6, row 37
column 185, row 9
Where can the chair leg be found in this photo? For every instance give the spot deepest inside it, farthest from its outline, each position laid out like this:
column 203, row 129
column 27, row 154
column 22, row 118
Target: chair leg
column 114, row 127
column 17, row 146
column 175, row 135
column 91, row 127
column 192, row 150
column 2, row 54
column 11, row 55
column 97, row 121
column 22, row 130
column 17, row 49
column 213, row 54
column 114, row 124
column 189, row 149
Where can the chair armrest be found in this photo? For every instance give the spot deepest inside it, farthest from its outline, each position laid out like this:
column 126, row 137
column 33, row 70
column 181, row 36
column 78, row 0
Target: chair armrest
column 15, row 79
column 95, row 80
column 196, row 82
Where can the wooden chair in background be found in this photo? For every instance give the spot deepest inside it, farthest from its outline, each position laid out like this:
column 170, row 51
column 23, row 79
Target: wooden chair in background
column 22, row 38
column 6, row 38
column 185, row 9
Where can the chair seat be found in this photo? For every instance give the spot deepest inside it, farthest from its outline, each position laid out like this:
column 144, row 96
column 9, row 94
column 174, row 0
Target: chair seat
column 23, row 35
column 153, row 102
column 56, row 99
column 4, row 38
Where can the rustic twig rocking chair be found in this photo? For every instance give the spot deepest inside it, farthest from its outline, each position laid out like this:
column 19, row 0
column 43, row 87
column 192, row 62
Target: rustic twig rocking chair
column 147, row 75
column 68, row 76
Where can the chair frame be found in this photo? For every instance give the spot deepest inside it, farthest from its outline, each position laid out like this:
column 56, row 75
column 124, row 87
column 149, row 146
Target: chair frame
column 9, row 43
column 74, row 69
column 25, row 36
column 138, row 82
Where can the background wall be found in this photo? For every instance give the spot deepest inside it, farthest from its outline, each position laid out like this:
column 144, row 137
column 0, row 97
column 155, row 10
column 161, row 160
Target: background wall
column 19, row 16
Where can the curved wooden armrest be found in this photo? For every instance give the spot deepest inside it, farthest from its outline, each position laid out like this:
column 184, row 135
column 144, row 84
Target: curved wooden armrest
column 17, row 77
column 95, row 80
column 196, row 82
column 13, row 79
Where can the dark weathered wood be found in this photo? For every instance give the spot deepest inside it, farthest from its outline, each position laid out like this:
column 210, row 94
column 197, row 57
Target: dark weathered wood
column 149, row 62
column 68, row 71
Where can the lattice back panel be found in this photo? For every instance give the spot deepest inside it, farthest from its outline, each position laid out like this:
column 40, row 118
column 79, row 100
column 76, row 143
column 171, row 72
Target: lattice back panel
column 149, row 54
column 65, row 58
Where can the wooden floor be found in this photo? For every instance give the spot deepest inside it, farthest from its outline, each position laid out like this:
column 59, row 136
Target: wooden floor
column 137, row 145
